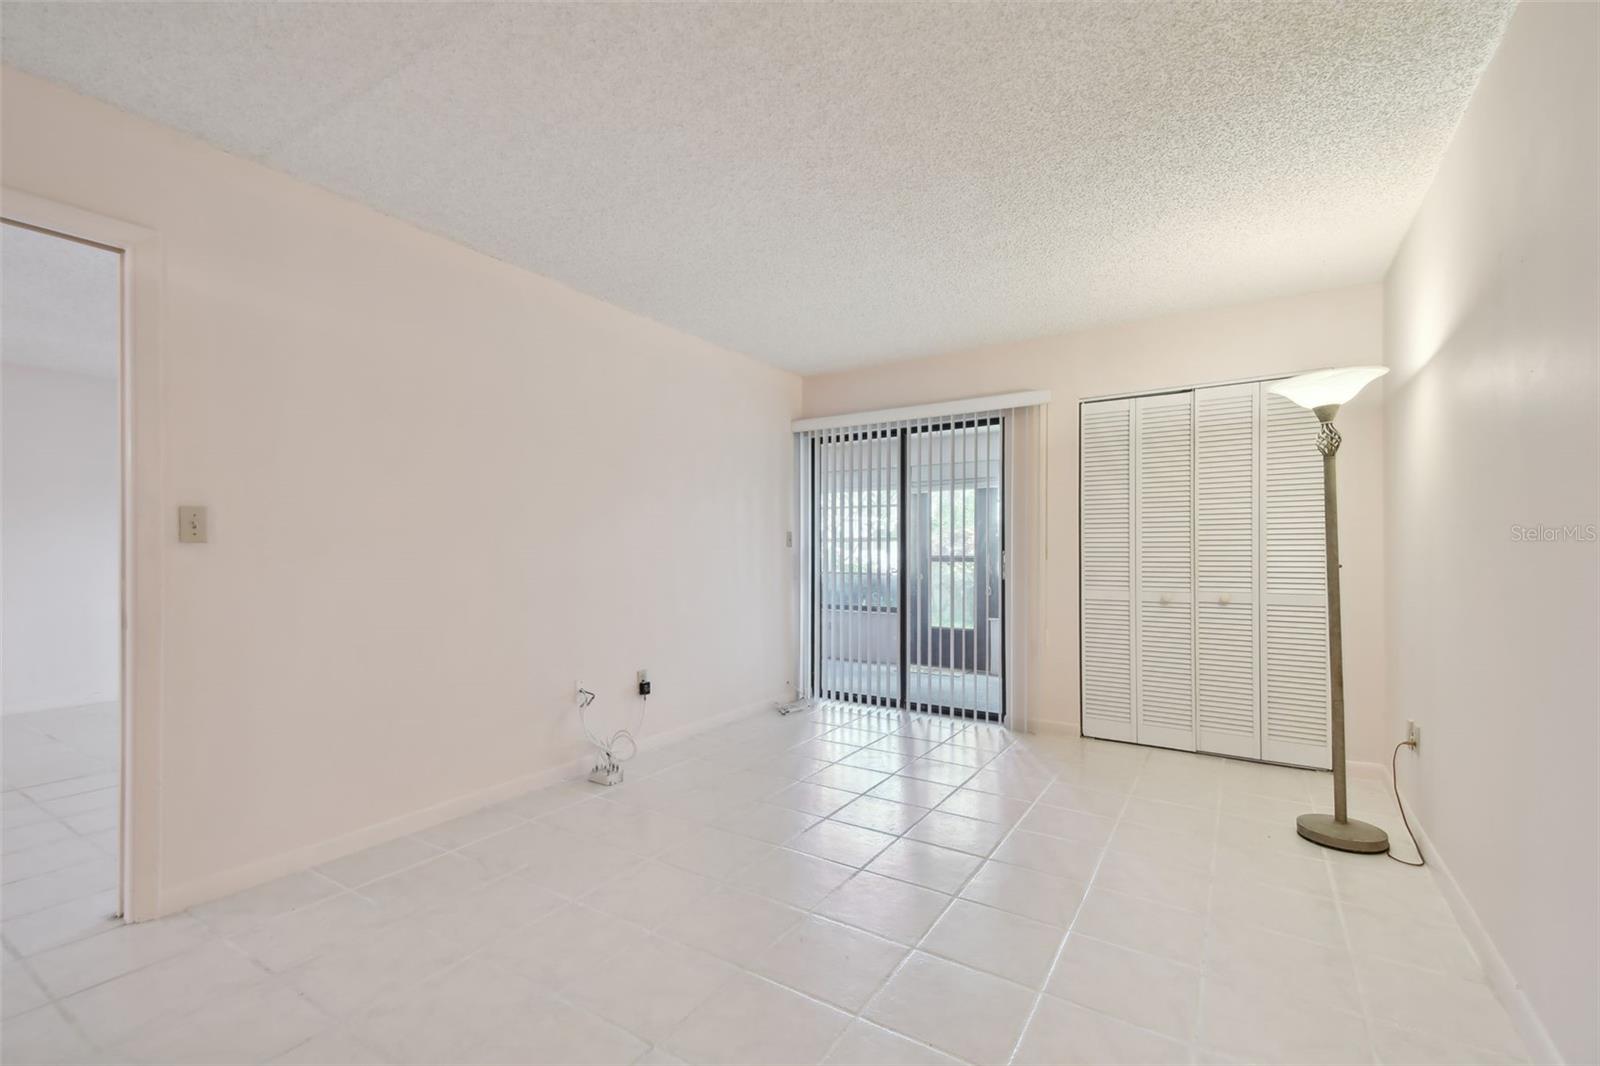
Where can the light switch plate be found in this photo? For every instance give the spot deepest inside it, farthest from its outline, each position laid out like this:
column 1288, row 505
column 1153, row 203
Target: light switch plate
column 192, row 525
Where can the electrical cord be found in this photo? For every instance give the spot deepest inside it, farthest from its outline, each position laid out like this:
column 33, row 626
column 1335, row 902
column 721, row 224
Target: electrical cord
column 609, row 745
column 1394, row 779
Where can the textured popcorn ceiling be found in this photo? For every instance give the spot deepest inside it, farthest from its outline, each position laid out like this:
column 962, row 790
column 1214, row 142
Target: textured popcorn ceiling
column 830, row 185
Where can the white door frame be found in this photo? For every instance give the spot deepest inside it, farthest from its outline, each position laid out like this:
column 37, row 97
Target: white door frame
column 143, row 529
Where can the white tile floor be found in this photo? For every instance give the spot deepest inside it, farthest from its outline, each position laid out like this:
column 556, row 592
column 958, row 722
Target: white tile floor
column 843, row 886
column 60, row 843
column 928, row 686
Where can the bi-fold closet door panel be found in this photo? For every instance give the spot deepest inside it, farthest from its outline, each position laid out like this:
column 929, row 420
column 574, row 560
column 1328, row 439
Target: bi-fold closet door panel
column 1294, row 646
column 1163, row 505
column 1106, row 538
column 1227, row 491
column 1203, row 613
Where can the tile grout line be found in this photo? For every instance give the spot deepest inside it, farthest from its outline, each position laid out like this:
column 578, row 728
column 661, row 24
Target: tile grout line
column 1367, row 1022
column 914, row 948
column 855, row 1016
column 724, row 880
column 560, row 995
column 1197, row 1026
column 957, row 897
column 1088, row 887
column 811, row 913
column 738, row 968
column 229, row 940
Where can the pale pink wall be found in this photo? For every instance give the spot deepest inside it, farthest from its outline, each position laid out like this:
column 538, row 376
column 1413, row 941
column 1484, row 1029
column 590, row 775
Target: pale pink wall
column 441, row 490
column 1494, row 424
column 1341, row 327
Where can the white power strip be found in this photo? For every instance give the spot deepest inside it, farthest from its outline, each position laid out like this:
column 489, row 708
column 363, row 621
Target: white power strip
column 607, row 771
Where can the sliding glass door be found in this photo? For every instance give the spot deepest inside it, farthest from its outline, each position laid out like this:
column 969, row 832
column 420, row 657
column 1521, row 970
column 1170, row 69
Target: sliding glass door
column 909, row 544
column 858, row 565
column 953, row 555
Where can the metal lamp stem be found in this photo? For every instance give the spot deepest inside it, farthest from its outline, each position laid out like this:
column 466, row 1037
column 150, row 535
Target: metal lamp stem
column 1330, row 502
column 1338, row 831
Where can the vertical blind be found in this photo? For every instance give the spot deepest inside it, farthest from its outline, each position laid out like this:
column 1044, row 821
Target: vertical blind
column 906, row 566
column 857, row 563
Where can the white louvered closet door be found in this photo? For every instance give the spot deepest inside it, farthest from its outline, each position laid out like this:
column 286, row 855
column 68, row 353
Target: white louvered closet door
column 1295, row 698
column 1226, row 435
column 1106, row 518
column 1164, row 570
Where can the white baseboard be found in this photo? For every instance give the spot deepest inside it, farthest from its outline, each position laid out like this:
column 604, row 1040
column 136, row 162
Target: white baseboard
column 704, row 725
column 1540, row 1047
column 1376, row 771
column 1055, row 729
column 238, row 878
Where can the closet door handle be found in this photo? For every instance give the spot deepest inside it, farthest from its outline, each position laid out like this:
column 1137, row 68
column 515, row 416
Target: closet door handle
column 1224, row 599
column 1166, row 599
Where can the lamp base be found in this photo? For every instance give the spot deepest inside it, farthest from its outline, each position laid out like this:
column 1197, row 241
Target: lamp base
column 1345, row 836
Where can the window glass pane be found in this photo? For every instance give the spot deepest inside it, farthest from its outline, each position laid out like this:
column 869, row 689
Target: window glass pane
column 862, row 516
column 878, row 591
column 859, row 553
column 952, row 596
column 954, row 520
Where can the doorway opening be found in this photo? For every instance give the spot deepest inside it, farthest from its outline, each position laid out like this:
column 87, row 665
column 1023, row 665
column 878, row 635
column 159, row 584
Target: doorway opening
column 61, row 493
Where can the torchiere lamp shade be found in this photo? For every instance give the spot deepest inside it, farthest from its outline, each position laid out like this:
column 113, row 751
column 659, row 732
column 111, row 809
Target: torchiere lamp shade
column 1325, row 388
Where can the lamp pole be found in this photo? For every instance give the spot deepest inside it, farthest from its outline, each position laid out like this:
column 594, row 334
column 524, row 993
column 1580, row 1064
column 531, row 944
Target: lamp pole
column 1338, row 831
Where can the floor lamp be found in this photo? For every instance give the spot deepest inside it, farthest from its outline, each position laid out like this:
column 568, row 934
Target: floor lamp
column 1323, row 392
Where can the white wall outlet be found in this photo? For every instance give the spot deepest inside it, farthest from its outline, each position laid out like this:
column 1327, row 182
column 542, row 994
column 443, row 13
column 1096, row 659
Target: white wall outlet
column 1414, row 734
